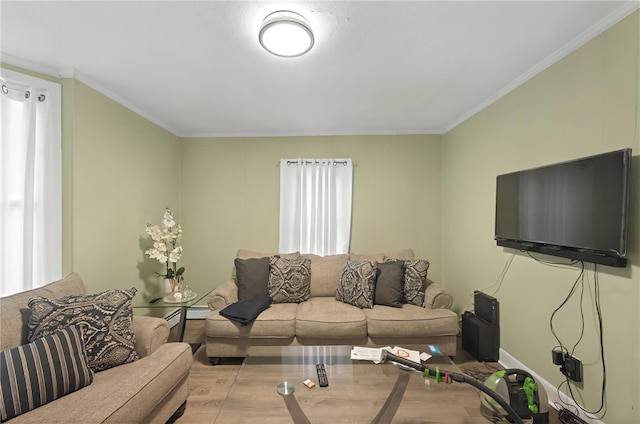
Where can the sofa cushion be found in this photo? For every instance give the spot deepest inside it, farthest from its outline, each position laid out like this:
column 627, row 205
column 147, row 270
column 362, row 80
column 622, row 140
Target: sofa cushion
column 325, row 273
column 289, row 280
column 357, row 283
column 252, row 278
column 410, row 321
column 328, row 318
column 42, row 371
column 106, row 320
column 379, row 257
column 389, row 281
column 278, row 321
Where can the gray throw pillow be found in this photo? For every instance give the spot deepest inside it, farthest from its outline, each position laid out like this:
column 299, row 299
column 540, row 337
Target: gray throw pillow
column 105, row 319
column 289, row 280
column 252, row 277
column 389, row 282
column 414, row 281
column 357, row 283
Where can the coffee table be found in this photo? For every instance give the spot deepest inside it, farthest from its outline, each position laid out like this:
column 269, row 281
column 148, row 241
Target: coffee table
column 356, row 393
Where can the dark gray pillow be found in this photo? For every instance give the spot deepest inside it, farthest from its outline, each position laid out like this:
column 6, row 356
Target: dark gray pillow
column 289, row 280
column 389, row 280
column 357, row 283
column 252, row 276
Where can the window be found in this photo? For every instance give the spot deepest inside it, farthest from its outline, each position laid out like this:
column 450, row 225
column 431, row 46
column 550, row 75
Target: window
column 315, row 205
column 30, row 182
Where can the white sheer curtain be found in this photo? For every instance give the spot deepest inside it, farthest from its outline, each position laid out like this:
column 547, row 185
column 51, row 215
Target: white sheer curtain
column 30, row 182
column 315, row 205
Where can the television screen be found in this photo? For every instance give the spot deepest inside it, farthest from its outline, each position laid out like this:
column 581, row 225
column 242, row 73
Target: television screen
column 581, row 205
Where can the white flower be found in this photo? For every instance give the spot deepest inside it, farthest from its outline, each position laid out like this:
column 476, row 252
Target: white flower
column 168, row 221
column 167, row 235
column 158, row 245
column 158, row 253
column 154, row 232
column 165, row 247
column 175, row 254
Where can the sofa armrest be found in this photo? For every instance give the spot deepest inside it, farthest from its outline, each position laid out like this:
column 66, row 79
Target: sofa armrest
column 437, row 297
column 150, row 332
column 223, row 295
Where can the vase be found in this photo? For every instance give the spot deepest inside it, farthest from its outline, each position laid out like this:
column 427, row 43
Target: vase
column 176, row 285
column 167, row 285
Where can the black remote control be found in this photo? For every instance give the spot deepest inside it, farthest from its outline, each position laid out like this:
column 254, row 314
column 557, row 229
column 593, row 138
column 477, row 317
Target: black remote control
column 322, row 375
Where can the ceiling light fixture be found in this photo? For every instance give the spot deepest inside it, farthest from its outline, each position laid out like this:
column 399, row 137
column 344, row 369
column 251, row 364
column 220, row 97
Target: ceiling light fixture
column 285, row 33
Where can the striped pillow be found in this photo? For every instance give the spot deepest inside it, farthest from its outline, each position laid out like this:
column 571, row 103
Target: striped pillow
column 42, row 371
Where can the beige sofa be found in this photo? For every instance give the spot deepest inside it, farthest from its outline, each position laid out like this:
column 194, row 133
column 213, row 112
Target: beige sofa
column 323, row 320
column 153, row 388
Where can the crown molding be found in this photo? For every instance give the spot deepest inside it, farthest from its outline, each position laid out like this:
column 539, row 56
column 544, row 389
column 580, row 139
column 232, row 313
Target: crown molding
column 49, row 71
column 79, row 76
column 604, row 24
column 332, row 133
column 66, row 73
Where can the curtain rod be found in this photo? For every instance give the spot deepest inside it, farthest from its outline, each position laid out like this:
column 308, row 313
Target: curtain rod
column 308, row 161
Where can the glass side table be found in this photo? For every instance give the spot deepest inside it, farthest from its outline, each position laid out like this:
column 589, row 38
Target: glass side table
column 164, row 301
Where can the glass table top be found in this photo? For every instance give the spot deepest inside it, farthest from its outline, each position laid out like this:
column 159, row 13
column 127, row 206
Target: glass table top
column 357, row 390
column 193, row 294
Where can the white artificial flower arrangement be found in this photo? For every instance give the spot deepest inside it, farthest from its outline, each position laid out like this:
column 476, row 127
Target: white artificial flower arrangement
column 165, row 246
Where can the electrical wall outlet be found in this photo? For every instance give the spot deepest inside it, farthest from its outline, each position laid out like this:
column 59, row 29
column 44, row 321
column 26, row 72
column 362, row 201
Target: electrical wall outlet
column 572, row 368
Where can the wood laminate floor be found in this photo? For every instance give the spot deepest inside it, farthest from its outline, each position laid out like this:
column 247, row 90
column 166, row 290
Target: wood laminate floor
column 210, row 385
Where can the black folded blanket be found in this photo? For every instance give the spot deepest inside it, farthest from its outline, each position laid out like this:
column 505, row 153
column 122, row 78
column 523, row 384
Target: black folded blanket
column 246, row 311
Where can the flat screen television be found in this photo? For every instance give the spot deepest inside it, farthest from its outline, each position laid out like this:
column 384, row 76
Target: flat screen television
column 577, row 209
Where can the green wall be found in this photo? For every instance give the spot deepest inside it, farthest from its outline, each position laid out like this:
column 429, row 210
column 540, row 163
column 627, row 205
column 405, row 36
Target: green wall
column 122, row 171
column 585, row 104
column 230, row 196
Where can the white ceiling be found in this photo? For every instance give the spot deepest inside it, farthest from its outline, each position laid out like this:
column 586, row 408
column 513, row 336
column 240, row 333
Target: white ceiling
column 377, row 67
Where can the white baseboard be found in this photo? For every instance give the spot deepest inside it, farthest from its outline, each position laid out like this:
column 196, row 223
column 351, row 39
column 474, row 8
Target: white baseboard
column 195, row 312
column 555, row 396
column 198, row 312
column 173, row 317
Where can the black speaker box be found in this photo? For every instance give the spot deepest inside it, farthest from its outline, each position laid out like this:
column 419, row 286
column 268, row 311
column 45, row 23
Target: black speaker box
column 486, row 307
column 480, row 338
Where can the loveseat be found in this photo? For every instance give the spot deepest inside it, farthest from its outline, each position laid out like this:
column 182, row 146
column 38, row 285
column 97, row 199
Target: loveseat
column 319, row 318
column 153, row 388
